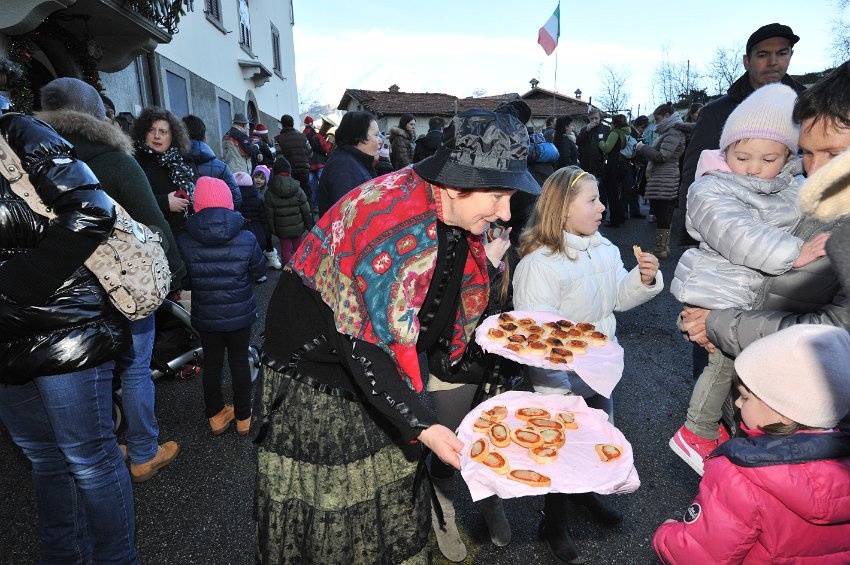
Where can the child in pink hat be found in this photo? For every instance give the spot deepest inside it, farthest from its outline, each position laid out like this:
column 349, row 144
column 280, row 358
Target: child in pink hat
column 223, row 260
column 782, row 494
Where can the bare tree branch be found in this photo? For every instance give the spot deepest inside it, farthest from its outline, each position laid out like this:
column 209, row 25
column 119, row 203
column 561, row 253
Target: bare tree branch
column 674, row 81
column 725, row 68
column 839, row 46
column 614, row 96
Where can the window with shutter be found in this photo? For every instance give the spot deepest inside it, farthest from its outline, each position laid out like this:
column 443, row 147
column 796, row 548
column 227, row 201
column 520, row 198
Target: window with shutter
column 276, row 49
column 213, row 9
column 244, row 25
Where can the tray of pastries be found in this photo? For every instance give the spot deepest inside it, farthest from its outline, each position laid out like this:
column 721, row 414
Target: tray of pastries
column 543, row 339
column 525, row 443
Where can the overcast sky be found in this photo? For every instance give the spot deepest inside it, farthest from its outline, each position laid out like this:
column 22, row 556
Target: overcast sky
column 462, row 46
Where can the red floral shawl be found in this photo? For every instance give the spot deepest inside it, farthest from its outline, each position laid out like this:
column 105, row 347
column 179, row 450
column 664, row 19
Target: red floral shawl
column 372, row 258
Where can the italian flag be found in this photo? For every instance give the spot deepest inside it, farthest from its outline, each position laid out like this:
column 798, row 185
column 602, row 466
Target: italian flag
column 548, row 35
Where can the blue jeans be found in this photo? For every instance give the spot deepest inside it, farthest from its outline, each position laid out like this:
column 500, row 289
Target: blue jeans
column 137, row 392
column 314, row 184
column 63, row 424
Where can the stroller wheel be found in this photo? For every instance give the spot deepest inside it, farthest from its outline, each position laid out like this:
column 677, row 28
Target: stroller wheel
column 253, row 362
column 119, row 423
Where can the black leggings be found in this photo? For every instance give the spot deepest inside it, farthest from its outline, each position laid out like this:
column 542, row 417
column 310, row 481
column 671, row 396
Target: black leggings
column 452, row 406
column 236, row 343
column 663, row 210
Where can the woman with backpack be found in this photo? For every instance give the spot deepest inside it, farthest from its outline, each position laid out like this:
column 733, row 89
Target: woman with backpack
column 617, row 168
column 662, row 172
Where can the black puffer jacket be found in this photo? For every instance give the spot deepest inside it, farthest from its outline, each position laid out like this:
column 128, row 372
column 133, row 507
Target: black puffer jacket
column 808, row 295
column 427, row 145
column 295, row 147
column 54, row 316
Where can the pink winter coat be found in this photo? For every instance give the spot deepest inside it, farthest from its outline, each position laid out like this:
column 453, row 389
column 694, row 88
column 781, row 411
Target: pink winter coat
column 779, row 514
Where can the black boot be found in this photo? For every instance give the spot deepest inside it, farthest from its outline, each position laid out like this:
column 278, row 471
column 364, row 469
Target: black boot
column 598, row 506
column 554, row 530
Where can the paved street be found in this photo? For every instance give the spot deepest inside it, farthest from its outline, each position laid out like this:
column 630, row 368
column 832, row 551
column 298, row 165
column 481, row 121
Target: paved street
column 198, row 510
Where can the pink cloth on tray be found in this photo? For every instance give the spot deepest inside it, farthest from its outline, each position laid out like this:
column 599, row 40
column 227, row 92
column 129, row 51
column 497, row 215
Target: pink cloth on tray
column 577, row 468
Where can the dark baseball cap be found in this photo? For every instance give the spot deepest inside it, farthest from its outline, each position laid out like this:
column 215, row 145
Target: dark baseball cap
column 771, row 30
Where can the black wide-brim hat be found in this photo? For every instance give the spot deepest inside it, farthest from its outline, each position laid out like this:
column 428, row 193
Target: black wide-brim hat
column 481, row 149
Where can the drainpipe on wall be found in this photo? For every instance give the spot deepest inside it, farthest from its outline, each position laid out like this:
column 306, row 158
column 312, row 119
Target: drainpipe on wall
column 153, row 77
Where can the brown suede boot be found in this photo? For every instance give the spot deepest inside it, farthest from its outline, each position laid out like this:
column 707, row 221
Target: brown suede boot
column 221, row 421
column 166, row 453
column 242, row 426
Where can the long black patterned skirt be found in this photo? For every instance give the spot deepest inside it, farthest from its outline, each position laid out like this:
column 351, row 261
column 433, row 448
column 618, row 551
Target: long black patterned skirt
column 332, row 487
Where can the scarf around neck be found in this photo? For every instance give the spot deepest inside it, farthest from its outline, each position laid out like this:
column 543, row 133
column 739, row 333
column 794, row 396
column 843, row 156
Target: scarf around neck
column 372, row 257
column 172, row 161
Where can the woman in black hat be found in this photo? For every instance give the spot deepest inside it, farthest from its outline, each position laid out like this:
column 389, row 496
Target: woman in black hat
column 393, row 270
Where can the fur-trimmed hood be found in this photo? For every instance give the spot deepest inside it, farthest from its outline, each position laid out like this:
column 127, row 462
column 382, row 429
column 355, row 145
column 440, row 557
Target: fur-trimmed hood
column 76, row 125
column 396, row 131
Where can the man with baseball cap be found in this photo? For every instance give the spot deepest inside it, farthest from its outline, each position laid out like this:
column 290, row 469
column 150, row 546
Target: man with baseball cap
column 769, row 51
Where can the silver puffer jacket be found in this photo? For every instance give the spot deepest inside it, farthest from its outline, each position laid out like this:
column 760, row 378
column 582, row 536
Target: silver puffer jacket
column 744, row 225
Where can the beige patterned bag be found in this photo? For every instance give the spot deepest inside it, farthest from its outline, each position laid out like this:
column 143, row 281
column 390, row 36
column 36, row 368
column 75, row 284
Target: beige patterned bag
column 130, row 264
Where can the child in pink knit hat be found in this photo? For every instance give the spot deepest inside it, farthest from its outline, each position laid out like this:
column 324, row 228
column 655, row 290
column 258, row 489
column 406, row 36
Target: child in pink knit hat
column 223, row 260
column 742, row 208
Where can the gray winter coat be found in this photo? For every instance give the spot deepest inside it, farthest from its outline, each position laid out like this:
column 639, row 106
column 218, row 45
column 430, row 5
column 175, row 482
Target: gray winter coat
column 662, row 170
column 744, row 226
column 809, row 295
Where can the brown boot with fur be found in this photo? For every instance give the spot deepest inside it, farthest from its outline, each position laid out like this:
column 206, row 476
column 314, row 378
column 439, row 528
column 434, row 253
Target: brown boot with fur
column 221, row 421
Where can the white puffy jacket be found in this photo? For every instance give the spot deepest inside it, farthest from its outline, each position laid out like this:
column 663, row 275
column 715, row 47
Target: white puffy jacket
column 588, row 288
column 744, row 225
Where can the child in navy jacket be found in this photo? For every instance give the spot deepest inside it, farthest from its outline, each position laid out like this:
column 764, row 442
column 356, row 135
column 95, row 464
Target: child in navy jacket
column 223, row 258
column 781, row 495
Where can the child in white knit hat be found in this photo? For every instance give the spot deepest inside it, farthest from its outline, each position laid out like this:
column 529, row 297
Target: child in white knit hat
column 783, row 493
column 742, row 208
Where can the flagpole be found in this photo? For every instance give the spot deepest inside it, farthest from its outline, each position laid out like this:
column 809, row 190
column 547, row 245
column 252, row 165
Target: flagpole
column 555, row 86
column 558, row 39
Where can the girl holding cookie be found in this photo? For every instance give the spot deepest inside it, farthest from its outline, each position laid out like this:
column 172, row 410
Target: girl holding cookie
column 567, row 267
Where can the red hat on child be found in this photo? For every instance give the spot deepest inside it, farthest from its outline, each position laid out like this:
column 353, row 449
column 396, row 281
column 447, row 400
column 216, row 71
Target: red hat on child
column 308, row 120
column 260, row 129
column 211, row 193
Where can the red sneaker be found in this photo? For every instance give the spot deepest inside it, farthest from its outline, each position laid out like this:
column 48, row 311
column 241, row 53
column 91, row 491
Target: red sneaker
column 693, row 449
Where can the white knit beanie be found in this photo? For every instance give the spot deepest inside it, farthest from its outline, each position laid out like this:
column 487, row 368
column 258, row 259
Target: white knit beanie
column 802, row 372
column 764, row 114
column 826, row 194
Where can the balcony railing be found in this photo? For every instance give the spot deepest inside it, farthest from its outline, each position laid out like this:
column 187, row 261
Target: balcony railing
column 165, row 14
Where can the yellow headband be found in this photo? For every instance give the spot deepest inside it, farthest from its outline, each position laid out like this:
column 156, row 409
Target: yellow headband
column 575, row 180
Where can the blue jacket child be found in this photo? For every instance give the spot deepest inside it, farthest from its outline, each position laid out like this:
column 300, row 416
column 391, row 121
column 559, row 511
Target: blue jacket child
column 223, row 260
column 208, row 165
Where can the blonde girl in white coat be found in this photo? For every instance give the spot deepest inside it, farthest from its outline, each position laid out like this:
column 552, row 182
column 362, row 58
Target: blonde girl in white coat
column 568, row 268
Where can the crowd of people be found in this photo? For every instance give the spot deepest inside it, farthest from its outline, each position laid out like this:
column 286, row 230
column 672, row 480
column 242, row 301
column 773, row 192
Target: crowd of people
column 392, row 250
